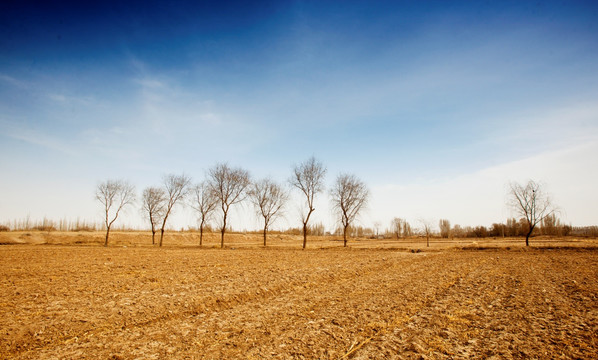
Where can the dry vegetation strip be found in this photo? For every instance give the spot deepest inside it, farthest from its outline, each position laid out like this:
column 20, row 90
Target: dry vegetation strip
column 92, row 302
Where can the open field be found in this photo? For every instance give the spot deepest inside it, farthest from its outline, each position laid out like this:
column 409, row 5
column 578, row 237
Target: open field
column 275, row 241
column 182, row 301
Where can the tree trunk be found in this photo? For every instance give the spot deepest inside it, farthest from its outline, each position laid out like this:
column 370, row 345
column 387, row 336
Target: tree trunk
column 531, row 229
column 304, row 235
column 107, row 233
column 345, row 235
column 200, row 234
column 222, row 232
column 161, row 236
column 427, row 240
column 265, row 231
column 153, row 237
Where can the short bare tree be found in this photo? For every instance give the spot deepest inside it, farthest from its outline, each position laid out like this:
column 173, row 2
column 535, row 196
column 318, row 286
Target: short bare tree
column 153, row 203
column 175, row 188
column 349, row 196
column 530, row 202
column 204, row 202
column 229, row 186
column 269, row 199
column 308, row 177
column 445, row 228
column 114, row 196
column 427, row 230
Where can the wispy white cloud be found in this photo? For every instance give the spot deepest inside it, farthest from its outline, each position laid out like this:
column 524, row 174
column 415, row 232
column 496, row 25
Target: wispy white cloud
column 69, row 100
column 13, row 81
column 479, row 197
column 148, row 83
column 36, row 137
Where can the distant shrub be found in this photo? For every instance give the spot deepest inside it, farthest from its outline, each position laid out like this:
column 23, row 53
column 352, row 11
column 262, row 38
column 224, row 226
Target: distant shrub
column 84, row 227
column 4, row 228
column 45, row 228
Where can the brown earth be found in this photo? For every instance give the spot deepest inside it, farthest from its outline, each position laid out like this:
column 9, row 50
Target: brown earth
column 181, row 301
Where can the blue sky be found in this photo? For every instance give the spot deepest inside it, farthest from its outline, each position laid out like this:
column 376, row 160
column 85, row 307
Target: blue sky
column 436, row 105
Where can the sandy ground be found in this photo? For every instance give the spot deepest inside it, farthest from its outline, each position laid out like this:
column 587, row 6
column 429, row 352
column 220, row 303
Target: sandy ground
column 143, row 302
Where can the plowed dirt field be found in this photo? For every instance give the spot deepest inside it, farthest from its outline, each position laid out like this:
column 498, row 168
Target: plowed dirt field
column 89, row 302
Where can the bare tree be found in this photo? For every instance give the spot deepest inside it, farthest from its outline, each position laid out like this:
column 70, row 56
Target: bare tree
column 530, row 202
column 114, row 196
column 309, row 178
column 153, row 202
column 445, row 228
column 175, row 187
column 407, row 229
column 377, row 226
column 204, row 202
column 400, row 227
column 396, row 225
column 269, row 199
column 349, row 197
column 427, row 230
column 229, row 187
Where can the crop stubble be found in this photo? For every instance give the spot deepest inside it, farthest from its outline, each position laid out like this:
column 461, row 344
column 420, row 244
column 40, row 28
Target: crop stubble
column 91, row 302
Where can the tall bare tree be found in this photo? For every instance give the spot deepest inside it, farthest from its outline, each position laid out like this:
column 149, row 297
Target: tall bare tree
column 114, row 196
column 396, row 226
column 153, row 203
column 269, row 199
column 204, row 202
column 349, row 196
column 530, row 202
column 175, row 187
column 445, row 228
column 377, row 226
column 407, row 229
column 308, row 177
column 229, row 186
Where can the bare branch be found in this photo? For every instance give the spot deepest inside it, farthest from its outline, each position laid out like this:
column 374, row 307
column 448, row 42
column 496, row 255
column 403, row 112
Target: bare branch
column 427, row 229
column 204, row 202
column 531, row 203
column 349, row 197
column 229, row 187
column 176, row 188
column 153, row 204
column 114, row 195
column 308, row 177
column 269, row 199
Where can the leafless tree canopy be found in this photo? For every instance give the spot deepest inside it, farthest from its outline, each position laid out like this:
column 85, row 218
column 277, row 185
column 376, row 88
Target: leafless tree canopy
column 153, row 204
column 400, row 227
column 204, row 202
column 530, row 202
column 349, row 197
column 229, row 186
column 175, row 188
column 269, row 199
column 308, row 177
column 114, row 196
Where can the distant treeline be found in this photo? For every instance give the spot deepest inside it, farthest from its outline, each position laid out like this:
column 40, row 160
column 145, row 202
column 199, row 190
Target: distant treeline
column 551, row 226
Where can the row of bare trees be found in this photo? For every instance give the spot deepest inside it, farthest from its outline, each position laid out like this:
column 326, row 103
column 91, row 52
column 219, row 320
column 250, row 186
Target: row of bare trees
column 225, row 187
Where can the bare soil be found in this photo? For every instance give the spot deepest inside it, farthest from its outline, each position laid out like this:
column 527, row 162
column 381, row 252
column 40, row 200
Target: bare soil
column 141, row 302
